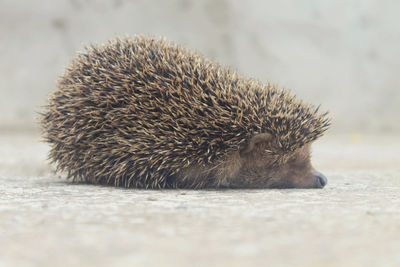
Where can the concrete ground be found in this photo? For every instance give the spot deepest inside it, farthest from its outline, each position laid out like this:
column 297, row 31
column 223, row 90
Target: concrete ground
column 354, row 221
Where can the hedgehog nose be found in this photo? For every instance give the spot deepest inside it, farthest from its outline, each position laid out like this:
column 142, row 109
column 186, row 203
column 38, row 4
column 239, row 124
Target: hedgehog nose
column 321, row 179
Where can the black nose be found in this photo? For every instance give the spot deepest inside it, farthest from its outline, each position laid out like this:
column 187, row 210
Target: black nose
column 321, row 179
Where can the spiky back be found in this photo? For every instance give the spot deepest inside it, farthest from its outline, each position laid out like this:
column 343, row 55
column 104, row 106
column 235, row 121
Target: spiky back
column 133, row 112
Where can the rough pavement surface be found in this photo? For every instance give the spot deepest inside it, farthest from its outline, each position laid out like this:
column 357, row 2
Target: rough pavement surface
column 355, row 221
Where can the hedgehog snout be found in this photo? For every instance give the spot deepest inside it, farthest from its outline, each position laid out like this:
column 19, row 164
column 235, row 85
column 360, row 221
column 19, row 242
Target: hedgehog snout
column 321, row 179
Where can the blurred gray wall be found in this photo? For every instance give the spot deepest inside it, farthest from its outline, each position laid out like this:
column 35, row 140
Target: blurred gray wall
column 343, row 54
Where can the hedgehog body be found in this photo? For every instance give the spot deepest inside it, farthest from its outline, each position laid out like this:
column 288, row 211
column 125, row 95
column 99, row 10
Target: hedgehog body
column 145, row 113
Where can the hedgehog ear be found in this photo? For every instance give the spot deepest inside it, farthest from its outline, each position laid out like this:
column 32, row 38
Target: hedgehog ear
column 255, row 141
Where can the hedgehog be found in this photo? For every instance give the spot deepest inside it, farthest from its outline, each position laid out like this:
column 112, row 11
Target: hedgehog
column 143, row 112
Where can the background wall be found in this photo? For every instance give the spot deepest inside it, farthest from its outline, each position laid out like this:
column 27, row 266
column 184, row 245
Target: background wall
column 343, row 54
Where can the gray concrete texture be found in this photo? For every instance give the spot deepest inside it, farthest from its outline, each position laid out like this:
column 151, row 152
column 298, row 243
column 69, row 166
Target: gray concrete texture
column 342, row 54
column 354, row 221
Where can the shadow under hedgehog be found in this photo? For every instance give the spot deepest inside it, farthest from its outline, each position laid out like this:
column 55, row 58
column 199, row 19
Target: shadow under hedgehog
column 146, row 113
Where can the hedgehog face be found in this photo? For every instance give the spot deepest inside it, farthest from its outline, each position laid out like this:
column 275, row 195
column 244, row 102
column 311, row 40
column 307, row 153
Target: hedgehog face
column 263, row 166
